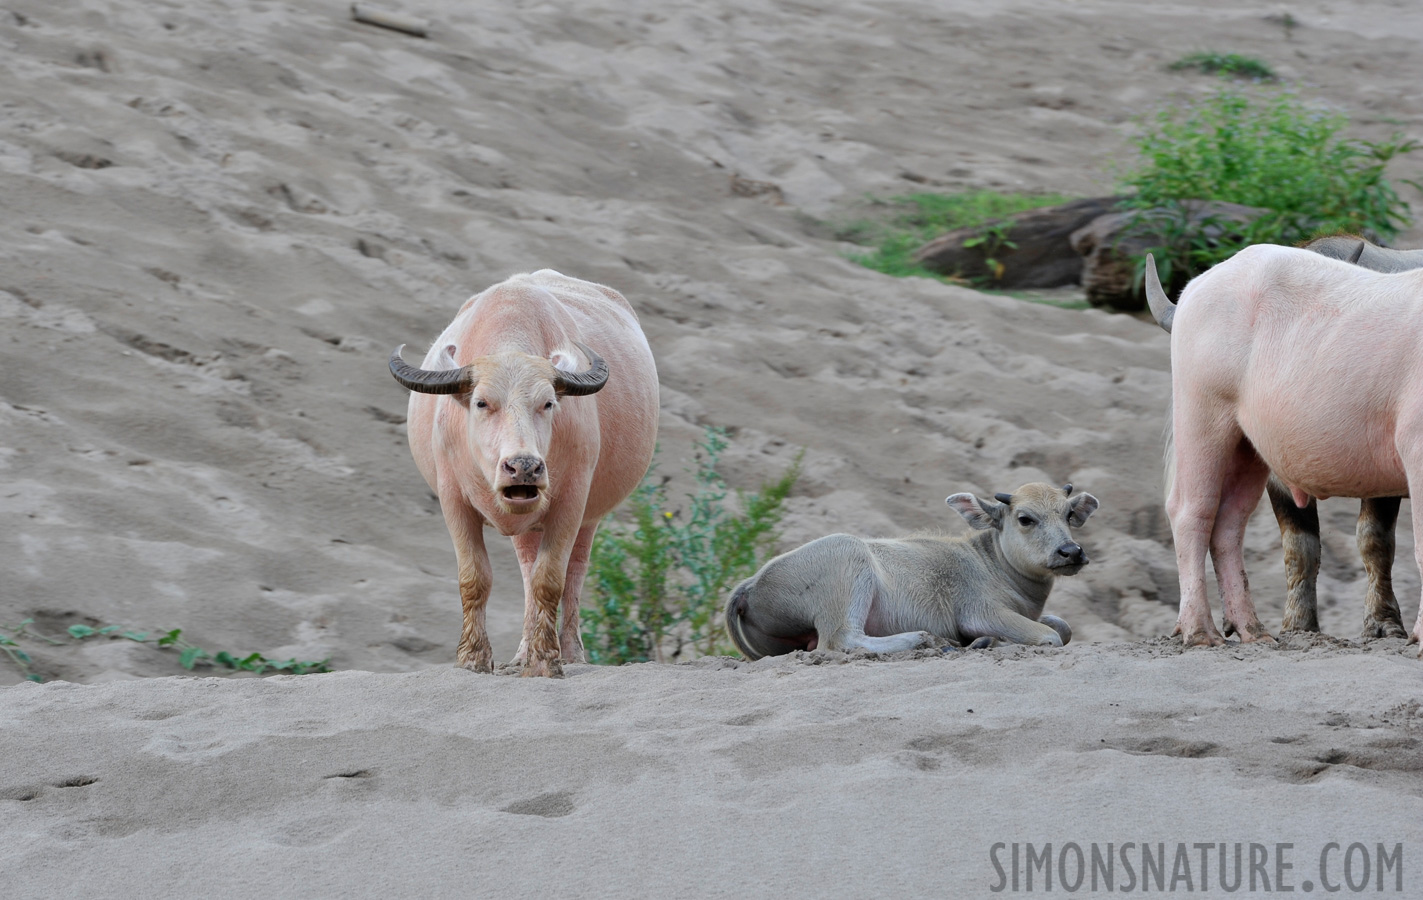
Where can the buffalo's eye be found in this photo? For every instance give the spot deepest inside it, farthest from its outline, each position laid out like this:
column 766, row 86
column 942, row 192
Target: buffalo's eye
column 482, row 404
column 548, row 405
column 1025, row 521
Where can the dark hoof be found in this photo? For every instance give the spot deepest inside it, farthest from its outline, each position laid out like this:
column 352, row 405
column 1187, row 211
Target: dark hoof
column 983, row 643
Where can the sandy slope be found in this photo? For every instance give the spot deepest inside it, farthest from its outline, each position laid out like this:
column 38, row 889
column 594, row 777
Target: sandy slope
column 218, row 217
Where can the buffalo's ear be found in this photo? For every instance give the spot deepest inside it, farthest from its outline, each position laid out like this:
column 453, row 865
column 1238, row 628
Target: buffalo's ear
column 981, row 514
column 1081, row 508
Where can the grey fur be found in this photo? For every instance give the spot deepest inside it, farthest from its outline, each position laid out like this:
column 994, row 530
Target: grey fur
column 1373, row 257
column 842, row 592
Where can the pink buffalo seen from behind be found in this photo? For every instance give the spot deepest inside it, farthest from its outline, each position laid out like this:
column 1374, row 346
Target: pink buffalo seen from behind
column 535, row 413
column 1284, row 360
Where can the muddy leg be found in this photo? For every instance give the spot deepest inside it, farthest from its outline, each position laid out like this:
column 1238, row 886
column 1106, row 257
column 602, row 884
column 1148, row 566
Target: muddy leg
column 1377, row 518
column 1299, row 533
column 467, row 530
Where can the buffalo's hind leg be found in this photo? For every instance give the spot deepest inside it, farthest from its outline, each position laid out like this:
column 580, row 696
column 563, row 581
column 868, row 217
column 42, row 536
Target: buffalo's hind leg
column 570, row 641
column 1196, row 471
column 1240, row 494
column 1375, row 534
column 841, row 625
column 1299, row 535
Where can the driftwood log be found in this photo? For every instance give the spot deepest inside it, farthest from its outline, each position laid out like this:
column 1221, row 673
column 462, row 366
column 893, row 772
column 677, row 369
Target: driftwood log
column 1089, row 242
column 1110, row 245
column 1041, row 254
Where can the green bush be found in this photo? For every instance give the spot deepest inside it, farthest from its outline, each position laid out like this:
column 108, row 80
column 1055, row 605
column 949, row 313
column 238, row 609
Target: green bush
column 1276, row 153
column 1230, row 65
column 658, row 583
column 913, row 220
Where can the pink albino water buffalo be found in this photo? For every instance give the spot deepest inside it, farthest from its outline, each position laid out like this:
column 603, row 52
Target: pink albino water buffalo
column 535, row 412
column 1284, row 360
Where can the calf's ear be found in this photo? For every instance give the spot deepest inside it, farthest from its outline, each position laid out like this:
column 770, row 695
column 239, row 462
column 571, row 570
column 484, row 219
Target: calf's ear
column 1080, row 508
column 981, row 514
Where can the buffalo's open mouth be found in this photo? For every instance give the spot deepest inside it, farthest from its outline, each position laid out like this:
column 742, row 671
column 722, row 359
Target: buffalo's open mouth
column 520, row 494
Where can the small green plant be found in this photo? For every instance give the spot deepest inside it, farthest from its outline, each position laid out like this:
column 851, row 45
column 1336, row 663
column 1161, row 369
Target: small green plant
column 658, row 582
column 1229, row 65
column 189, row 655
column 1277, row 154
column 993, row 237
column 913, row 220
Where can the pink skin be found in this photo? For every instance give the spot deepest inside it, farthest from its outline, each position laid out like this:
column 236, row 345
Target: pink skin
column 480, row 451
column 1285, row 360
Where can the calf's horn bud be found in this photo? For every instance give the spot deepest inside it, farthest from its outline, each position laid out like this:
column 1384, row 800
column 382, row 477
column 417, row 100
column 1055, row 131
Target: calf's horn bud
column 1003, row 498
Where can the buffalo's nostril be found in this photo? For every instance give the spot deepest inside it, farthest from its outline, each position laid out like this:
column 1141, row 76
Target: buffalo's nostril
column 523, row 469
column 1070, row 550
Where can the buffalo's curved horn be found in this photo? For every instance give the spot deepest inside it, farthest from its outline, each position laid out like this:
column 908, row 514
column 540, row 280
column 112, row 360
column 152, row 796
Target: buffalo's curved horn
column 1358, row 252
column 1162, row 309
column 431, row 381
column 1067, row 489
column 589, row 381
column 1003, row 498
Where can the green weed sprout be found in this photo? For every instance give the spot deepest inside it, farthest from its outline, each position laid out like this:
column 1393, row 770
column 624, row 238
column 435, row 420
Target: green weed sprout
column 661, row 579
column 1229, row 65
column 189, row 655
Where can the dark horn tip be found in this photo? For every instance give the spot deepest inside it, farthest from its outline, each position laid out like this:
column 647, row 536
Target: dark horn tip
column 1003, row 498
column 427, row 381
column 577, row 384
column 1067, row 489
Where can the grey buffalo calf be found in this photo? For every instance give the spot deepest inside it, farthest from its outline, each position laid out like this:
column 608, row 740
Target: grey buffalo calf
column 843, row 592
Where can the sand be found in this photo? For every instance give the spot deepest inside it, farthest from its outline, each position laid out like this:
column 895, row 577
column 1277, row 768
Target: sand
column 219, row 217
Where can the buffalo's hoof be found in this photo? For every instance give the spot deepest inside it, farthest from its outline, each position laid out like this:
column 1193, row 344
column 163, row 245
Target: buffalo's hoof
column 476, row 660
column 1382, row 628
column 1059, row 625
column 983, row 643
column 1301, row 623
column 1200, row 637
column 542, row 668
column 1251, row 635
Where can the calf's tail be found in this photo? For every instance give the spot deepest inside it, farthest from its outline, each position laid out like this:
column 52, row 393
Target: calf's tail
column 736, row 622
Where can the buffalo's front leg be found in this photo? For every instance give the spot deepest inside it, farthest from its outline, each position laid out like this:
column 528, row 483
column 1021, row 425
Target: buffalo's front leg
column 544, row 561
column 467, row 531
